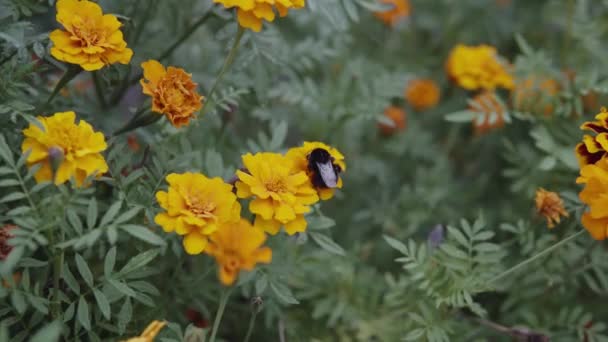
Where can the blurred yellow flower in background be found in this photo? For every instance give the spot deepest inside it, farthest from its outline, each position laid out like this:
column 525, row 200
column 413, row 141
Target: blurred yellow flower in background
column 490, row 111
column 478, row 67
column 91, row 39
column 238, row 246
column 64, row 149
column 550, row 206
column 299, row 157
column 401, row 10
column 422, row 94
column 149, row 333
column 251, row 13
column 195, row 206
column 173, row 92
column 595, row 195
column 283, row 194
column 593, row 148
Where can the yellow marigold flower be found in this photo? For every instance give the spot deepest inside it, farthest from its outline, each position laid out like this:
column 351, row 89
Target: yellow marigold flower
column 398, row 116
column 491, row 112
column 595, row 178
column 422, row 94
column 64, row 149
column 551, row 206
column 238, row 246
column 91, row 39
column 250, row 13
column 195, row 206
column 299, row 156
column 401, row 10
column 593, row 148
column 535, row 94
column 150, row 333
column 173, row 92
column 283, row 194
column 478, row 67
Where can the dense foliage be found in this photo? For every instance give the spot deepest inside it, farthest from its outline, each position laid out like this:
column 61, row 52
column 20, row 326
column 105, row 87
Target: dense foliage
column 441, row 230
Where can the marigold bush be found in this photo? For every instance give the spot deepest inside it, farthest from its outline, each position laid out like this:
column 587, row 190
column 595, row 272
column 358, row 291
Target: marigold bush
column 303, row 170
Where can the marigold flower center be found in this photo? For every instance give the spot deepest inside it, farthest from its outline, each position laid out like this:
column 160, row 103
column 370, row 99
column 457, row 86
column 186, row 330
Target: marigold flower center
column 276, row 185
column 85, row 31
column 202, row 209
column 231, row 261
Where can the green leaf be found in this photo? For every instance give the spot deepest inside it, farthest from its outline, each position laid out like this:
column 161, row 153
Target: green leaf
column 109, row 262
column 122, row 287
column 283, row 293
column 260, row 284
column 458, row 236
column 320, row 222
column 396, row 244
column 82, row 313
column 126, row 216
column 327, row 243
column 18, row 301
column 139, row 261
column 102, row 303
column 15, row 196
column 50, row 333
column 8, row 182
column 143, row 233
column 84, row 270
column 5, row 152
column 69, row 279
column 124, row 316
column 110, row 214
column 4, row 337
column 74, row 220
column 461, row 116
column 92, row 213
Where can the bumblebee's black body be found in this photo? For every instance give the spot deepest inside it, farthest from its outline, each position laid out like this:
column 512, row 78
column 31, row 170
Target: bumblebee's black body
column 321, row 165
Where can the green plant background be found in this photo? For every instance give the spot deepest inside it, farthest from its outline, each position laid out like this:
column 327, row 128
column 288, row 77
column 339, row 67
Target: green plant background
column 366, row 269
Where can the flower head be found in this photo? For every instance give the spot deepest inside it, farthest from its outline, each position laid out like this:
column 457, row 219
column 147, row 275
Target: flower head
column 299, row 157
column 401, row 10
column 534, row 94
column 238, row 246
column 173, row 92
column 593, row 148
column 283, row 193
column 478, row 67
column 251, row 13
column 5, row 235
column 551, row 206
column 422, row 94
column 398, row 118
column 150, row 333
column 64, row 149
column 595, row 195
column 195, row 206
column 91, row 39
column 490, row 111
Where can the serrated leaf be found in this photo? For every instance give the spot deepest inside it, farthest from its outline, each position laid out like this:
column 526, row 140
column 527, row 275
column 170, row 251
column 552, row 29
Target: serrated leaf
column 84, row 270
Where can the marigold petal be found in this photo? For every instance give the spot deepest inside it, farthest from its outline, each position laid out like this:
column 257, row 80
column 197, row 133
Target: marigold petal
column 194, row 243
column 227, row 277
column 167, row 222
column 597, row 228
column 296, row 226
column 153, row 71
column 248, row 20
column 271, row 227
column 262, row 207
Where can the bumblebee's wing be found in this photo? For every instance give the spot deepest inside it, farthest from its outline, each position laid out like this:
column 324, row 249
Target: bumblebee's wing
column 328, row 174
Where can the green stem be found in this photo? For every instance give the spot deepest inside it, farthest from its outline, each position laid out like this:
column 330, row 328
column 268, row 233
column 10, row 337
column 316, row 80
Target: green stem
column 220, row 313
column 72, row 71
column 534, row 257
column 251, row 326
column 99, row 90
column 227, row 62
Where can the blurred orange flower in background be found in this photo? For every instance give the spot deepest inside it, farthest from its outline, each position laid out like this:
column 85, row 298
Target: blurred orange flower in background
column 490, row 112
column 422, row 94
column 478, row 67
column 91, row 39
column 251, row 13
column 535, row 94
column 173, row 92
column 401, row 10
column 398, row 117
column 550, row 206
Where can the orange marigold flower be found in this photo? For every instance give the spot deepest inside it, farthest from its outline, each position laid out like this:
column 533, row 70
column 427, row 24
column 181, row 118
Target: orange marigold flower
column 15, row 279
column 551, row 206
column 149, row 333
column 478, row 67
column 5, row 235
column 173, row 92
column 238, row 246
column 195, row 207
column 595, row 195
column 491, row 112
column 422, row 94
column 397, row 116
column 283, row 193
column 251, row 13
column 593, row 148
column 535, row 94
column 64, row 149
column 91, row 39
column 299, row 157
column 401, row 10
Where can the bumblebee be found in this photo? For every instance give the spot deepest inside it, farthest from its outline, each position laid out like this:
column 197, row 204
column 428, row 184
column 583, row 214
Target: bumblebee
column 324, row 172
